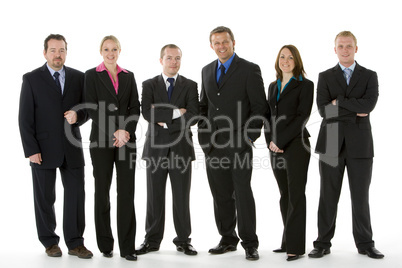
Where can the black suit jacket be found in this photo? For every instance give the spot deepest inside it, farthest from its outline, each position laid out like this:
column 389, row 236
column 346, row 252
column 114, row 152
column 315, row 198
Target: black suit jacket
column 41, row 118
column 178, row 136
column 227, row 109
column 288, row 116
column 108, row 111
column 340, row 124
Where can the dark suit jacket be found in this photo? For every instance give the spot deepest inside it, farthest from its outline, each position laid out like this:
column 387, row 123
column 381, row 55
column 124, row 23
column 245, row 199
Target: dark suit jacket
column 340, row 124
column 178, row 135
column 108, row 111
column 41, row 118
column 288, row 116
column 228, row 108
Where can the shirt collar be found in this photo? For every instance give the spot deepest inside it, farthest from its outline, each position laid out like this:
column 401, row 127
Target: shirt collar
column 293, row 78
column 101, row 67
column 165, row 77
column 227, row 63
column 352, row 67
column 62, row 72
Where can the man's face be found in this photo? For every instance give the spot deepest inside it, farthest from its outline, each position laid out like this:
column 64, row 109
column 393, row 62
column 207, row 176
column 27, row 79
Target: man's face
column 56, row 54
column 171, row 61
column 223, row 46
column 345, row 49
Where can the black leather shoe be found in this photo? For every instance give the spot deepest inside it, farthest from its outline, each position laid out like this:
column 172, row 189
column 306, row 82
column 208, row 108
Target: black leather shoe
column 293, row 257
column 187, row 248
column 131, row 257
column 222, row 248
column 107, row 254
column 279, row 250
column 319, row 252
column 372, row 253
column 252, row 254
column 145, row 248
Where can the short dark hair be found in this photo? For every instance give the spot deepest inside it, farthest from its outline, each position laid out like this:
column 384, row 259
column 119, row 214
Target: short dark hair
column 168, row 46
column 221, row 29
column 298, row 70
column 56, row 37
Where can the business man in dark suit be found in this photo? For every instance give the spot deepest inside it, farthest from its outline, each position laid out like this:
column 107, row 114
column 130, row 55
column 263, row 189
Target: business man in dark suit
column 233, row 103
column 49, row 126
column 170, row 105
column 346, row 95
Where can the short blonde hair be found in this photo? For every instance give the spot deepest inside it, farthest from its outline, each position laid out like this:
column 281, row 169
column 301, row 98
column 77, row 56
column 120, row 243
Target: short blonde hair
column 346, row 34
column 110, row 37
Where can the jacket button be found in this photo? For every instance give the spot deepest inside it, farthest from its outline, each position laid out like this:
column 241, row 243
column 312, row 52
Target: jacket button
column 219, row 94
column 217, row 109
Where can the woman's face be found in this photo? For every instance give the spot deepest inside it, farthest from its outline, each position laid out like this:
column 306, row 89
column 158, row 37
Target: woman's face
column 110, row 52
column 286, row 61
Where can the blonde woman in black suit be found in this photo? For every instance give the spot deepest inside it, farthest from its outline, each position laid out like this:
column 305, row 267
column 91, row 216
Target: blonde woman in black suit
column 290, row 99
column 111, row 93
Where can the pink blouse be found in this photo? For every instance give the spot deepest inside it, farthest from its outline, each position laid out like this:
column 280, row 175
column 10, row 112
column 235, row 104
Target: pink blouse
column 101, row 67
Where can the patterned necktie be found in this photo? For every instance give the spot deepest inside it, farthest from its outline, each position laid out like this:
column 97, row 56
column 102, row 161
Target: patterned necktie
column 56, row 79
column 222, row 74
column 170, row 88
column 348, row 74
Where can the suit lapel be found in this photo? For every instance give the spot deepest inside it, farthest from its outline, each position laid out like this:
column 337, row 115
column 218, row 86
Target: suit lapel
column 211, row 74
column 66, row 81
column 353, row 80
column 46, row 75
column 340, row 78
column 161, row 89
column 104, row 77
column 177, row 90
column 230, row 71
column 123, row 87
column 293, row 84
column 273, row 95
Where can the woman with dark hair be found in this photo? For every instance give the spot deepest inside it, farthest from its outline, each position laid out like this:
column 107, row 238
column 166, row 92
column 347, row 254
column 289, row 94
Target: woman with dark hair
column 290, row 99
column 112, row 98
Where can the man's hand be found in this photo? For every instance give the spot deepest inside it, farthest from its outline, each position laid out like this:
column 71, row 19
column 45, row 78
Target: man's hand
column 36, row 158
column 121, row 138
column 275, row 148
column 182, row 111
column 71, row 117
column 334, row 102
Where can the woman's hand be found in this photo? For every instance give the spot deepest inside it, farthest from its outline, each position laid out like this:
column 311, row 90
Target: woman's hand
column 274, row 148
column 121, row 137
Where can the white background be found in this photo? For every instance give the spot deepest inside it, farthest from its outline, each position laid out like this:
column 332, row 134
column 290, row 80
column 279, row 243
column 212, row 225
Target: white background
column 261, row 28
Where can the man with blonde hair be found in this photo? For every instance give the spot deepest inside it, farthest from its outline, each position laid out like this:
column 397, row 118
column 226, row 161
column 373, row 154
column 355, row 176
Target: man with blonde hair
column 346, row 95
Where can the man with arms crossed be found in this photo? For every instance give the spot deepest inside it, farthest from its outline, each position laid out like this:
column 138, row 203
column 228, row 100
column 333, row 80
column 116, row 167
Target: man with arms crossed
column 170, row 105
column 232, row 104
column 51, row 139
column 346, row 95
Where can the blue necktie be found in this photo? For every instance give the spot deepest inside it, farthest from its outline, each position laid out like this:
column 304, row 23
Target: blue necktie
column 348, row 75
column 170, row 88
column 56, row 79
column 222, row 74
